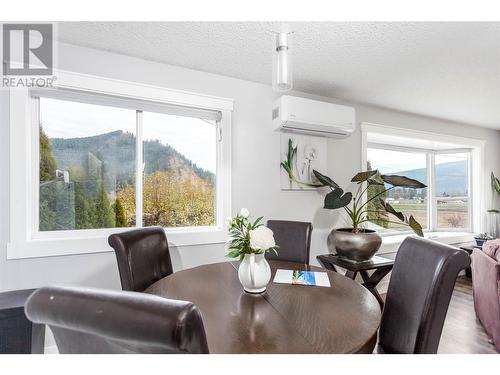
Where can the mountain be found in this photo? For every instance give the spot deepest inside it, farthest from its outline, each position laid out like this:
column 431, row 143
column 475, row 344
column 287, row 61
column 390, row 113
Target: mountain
column 115, row 153
column 451, row 178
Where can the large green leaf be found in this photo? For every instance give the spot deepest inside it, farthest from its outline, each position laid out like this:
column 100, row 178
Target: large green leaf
column 337, row 199
column 363, row 176
column 495, row 183
column 392, row 210
column 373, row 181
column 414, row 224
column 325, row 180
column 257, row 223
column 376, row 179
column 284, row 165
column 402, row 181
column 290, row 153
column 411, row 222
column 233, row 254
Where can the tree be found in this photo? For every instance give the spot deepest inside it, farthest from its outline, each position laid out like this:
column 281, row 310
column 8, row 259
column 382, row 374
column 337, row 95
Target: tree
column 85, row 213
column 48, row 164
column 172, row 199
column 126, row 194
column 104, row 213
column 120, row 219
column 47, row 214
column 376, row 213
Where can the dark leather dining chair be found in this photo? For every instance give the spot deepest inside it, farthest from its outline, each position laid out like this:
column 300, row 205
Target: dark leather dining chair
column 143, row 257
column 420, row 289
column 95, row 321
column 293, row 239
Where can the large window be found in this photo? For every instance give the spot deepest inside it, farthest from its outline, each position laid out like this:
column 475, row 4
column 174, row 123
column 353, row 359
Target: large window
column 94, row 156
column 89, row 166
column 452, row 190
column 410, row 201
column 178, row 190
column 445, row 205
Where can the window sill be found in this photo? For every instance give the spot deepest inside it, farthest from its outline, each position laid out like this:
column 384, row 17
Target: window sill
column 96, row 241
column 391, row 243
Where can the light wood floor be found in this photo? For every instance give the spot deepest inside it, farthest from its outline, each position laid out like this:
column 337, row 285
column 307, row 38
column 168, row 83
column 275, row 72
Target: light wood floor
column 462, row 332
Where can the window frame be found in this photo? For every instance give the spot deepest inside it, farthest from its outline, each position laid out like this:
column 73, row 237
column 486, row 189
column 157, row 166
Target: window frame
column 475, row 150
column 432, row 199
column 387, row 147
column 469, row 191
column 26, row 241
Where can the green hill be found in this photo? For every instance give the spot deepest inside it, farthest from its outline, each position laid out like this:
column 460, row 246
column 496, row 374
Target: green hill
column 451, row 178
column 116, row 152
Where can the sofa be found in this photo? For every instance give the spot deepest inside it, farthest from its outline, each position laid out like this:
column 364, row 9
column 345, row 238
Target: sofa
column 486, row 288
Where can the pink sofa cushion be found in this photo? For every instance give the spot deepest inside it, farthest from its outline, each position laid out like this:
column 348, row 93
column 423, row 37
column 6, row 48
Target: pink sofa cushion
column 492, row 249
column 486, row 288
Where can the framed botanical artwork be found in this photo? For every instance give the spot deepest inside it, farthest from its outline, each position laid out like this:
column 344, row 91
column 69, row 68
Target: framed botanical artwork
column 300, row 155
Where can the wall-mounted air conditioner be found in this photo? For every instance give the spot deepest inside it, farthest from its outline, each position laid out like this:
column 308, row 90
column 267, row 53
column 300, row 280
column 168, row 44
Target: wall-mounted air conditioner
column 306, row 116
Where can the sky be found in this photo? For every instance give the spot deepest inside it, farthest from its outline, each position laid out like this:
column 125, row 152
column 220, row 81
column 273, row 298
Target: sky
column 194, row 138
column 388, row 161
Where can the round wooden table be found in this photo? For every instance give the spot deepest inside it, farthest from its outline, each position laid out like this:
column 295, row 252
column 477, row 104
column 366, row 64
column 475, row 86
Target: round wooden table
column 285, row 319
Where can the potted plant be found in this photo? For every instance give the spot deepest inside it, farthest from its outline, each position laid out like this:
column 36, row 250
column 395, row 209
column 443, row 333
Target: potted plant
column 358, row 243
column 482, row 238
column 493, row 215
column 249, row 241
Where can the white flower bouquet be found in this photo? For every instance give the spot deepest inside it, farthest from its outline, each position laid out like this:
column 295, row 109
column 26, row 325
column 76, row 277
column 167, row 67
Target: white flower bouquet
column 248, row 237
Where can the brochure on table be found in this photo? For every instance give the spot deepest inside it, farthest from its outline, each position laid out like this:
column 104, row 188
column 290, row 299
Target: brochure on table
column 302, row 278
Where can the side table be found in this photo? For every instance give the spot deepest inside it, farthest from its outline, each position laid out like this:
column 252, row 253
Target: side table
column 469, row 248
column 381, row 265
column 17, row 333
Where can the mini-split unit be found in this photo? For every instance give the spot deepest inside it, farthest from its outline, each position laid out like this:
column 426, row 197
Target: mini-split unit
column 306, row 116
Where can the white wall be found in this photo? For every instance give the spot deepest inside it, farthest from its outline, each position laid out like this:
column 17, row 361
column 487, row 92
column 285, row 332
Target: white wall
column 255, row 176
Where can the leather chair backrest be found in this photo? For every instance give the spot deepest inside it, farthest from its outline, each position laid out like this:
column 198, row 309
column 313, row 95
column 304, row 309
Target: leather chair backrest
column 94, row 321
column 293, row 239
column 143, row 257
column 420, row 289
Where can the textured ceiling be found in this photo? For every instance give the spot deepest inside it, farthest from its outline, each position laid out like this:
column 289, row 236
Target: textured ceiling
column 444, row 70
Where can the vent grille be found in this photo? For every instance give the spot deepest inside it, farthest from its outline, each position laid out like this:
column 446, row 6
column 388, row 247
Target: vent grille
column 311, row 131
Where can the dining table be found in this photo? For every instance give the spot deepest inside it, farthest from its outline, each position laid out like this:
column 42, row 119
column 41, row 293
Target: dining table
column 286, row 318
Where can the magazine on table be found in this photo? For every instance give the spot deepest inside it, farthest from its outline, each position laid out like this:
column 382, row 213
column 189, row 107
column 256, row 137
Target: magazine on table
column 298, row 277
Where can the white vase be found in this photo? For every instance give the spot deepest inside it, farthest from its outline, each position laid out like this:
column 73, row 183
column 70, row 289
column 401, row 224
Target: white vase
column 493, row 224
column 254, row 273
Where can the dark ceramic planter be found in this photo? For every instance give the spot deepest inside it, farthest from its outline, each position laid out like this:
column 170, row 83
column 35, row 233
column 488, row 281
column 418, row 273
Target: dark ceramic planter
column 480, row 241
column 359, row 246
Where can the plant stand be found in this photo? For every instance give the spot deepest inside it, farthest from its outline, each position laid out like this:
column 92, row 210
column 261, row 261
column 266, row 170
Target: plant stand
column 381, row 266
